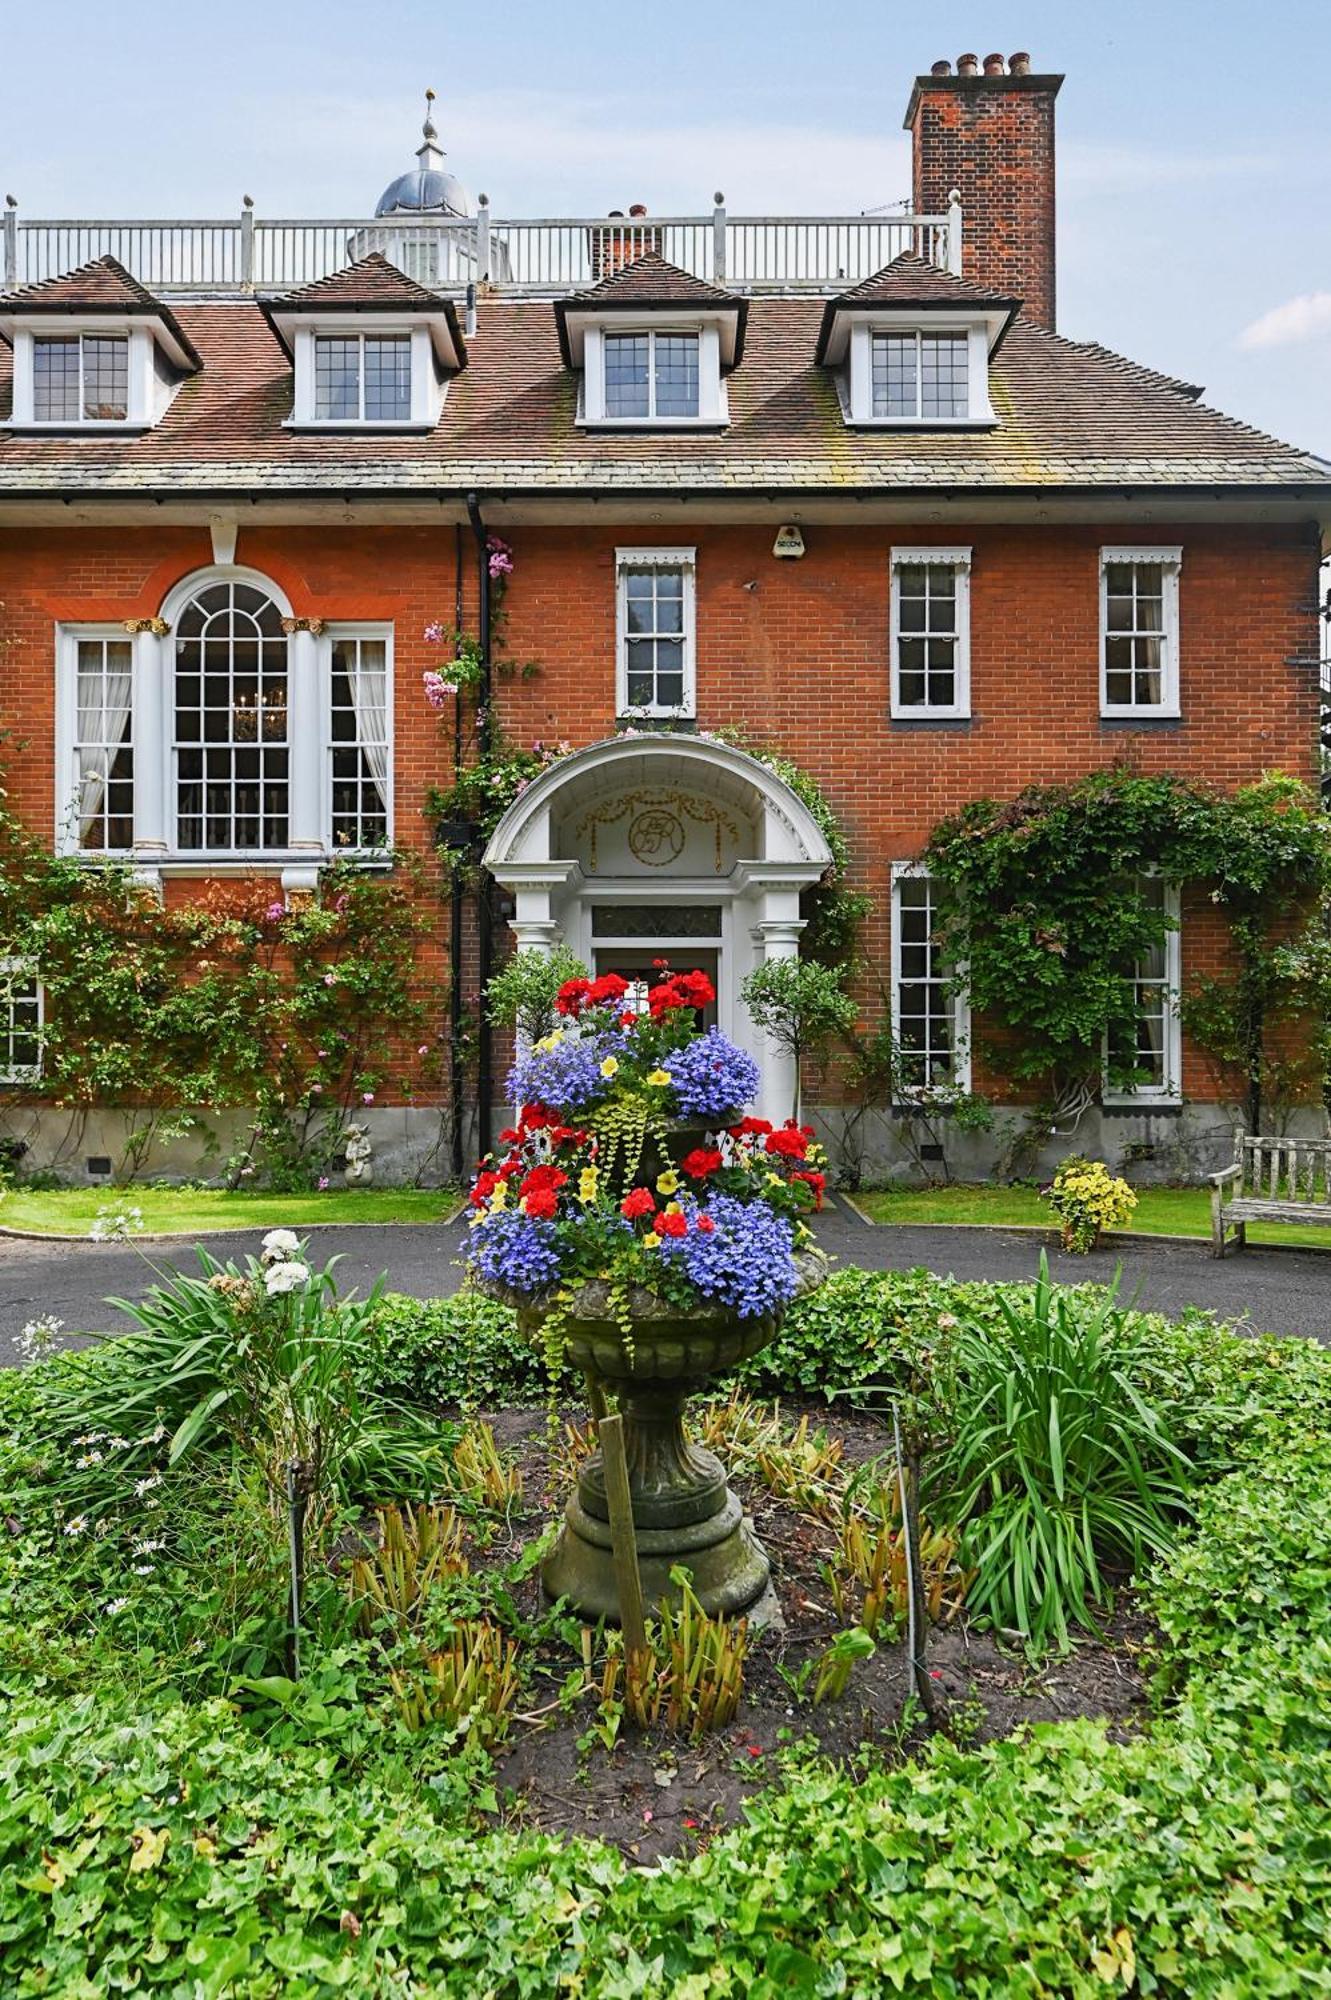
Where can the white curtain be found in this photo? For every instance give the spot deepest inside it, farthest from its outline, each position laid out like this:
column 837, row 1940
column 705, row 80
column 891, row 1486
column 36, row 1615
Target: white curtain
column 105, row 693
column 367, row 676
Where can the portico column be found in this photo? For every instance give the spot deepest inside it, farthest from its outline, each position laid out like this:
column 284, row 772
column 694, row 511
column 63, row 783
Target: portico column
column 778, row 936
column 305, row 736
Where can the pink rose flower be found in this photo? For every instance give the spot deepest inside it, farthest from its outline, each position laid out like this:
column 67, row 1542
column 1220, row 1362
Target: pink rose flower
column 367, row 1097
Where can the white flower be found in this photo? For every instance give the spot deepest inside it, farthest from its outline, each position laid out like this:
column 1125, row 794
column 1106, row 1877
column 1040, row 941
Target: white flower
column 279, row 1245
column 142, row 1486
column 88, row 1458
column 148, row 1548
column 116, row 1606
column 77, row 1526
column 142, row 1569
column 36, row 1340
column 285, row 1277
column 116, row 1225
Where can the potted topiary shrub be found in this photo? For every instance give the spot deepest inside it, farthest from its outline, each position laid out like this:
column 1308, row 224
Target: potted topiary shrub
column 651, row 1235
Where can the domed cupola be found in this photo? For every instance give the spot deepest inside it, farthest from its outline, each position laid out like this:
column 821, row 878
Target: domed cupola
column 428, row 188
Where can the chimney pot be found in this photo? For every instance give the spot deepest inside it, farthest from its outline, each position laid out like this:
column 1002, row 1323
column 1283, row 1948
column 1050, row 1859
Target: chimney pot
column 1019, row 64
column 940, row 69
column 993, row 65
column 638, row 208
column 968, row 65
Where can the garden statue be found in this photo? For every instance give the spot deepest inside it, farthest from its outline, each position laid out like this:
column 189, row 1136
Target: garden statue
column 359, row 1150
column 650, row 1235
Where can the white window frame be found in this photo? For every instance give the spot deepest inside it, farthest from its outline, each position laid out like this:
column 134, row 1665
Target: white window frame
column 428, row 387
column 156, row 847
column 685, row 560
column 713, row 405
column 959, row 561
column 1169, row 560
column 9, row 1074
column 857, row 388
column 915, row 871
column 331, row 634
column 68, row 639
column 1168, row 1093
column 148, row 394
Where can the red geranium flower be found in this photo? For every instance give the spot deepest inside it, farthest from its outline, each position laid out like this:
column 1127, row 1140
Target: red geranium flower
column 706, row 1224
column 697, row 986
column 637, row 1202
column 628, row 1020
column 543, row 1180
column 573, row 996
column 509, row 1136
column 812, row 1179
column 486, row 1184
column 536, row 1117
column 603, row 992
column 787, row 1144
column 541, row 1203
column 703, row 1160
column 750, row 1128
column 671, row 1225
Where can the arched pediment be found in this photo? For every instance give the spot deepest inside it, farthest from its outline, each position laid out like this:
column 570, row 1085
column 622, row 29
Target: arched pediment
column 651, row 801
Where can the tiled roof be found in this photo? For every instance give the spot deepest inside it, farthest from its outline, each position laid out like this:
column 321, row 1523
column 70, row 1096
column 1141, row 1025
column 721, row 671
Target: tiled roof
column 647, row 281
column 103, row 286
column 370, row 285
column 1069, row 417
column 370, row 282
column 909, row 282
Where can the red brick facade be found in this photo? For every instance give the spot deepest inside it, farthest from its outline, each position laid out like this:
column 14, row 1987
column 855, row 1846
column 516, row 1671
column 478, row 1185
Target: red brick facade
column 795, row 654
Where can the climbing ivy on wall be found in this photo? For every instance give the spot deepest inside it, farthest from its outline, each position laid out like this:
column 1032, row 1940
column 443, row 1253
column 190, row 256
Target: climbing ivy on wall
column 297, row 1015
column 1046, row 909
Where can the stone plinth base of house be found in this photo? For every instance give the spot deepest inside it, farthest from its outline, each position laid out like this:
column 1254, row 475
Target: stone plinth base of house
column 412, row 1144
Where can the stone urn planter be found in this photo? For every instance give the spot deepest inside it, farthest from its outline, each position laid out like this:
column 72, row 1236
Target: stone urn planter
column 684, row 1512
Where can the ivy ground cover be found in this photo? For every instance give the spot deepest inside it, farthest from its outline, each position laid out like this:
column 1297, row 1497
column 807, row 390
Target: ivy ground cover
column 175, row 1819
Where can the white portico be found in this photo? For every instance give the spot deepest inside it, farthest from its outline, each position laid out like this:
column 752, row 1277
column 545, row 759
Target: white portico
column 671, row 846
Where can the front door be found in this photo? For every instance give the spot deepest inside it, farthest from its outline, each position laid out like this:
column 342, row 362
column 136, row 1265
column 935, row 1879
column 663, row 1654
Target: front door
column 638, row 969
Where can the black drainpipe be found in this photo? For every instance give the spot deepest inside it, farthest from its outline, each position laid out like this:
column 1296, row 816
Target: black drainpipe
column 485, row 892
column 456, row 1080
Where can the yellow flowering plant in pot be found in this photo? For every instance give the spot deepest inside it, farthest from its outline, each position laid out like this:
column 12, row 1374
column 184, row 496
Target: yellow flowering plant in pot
column 1088, row 1199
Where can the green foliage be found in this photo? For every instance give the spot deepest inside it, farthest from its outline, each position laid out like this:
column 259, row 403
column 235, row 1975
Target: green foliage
column 482, row 793
column 801, row 1005
column 1048, row 912
column 1060, row 1466
column 522, row 995
column 463, row 1352
column 233, row 1000
column 218, row 1355
column 293, row 1840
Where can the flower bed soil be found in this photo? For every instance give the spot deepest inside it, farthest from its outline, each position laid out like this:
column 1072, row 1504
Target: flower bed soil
column 656, row 1794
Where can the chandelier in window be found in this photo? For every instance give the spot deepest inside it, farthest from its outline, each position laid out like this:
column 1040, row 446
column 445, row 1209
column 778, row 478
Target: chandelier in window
column 259, row 715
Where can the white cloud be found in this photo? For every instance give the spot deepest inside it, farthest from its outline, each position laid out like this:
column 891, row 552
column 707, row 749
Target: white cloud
column 1307, row 317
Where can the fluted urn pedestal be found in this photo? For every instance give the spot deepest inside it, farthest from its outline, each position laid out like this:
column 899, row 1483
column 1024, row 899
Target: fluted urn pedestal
column 684, row 1513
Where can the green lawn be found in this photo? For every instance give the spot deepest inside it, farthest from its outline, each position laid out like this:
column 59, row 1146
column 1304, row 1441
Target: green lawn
column 1160, row 1211
column 197, row 1211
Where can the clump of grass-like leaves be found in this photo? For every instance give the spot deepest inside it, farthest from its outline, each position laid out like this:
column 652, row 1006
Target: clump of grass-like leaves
column 1060, row 1468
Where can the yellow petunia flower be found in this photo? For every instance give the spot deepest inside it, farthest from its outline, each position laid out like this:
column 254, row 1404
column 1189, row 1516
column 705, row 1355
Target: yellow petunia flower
column 651, row 1241
column 610, row 1067
column 587, row 1184
column 674, row 1208
column 499, row 1199
column 660, row 1076
column 667, row 1182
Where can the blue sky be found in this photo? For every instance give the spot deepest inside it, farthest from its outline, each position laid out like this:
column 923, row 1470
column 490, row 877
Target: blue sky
column 1194, row 166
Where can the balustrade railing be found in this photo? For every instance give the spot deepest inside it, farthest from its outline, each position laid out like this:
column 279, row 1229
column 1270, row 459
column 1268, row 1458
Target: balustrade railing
column 540, row 255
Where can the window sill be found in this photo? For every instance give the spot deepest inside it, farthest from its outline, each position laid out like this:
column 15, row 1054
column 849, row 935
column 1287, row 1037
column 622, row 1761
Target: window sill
column 922, row 423
column 668, row 719
column 81, row 427
column 1139, row 1107
column 1140, row 718
column 362, row 426
column 934, row 718
column 263, row 859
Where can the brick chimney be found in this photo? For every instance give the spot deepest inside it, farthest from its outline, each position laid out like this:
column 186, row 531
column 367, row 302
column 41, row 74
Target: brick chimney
column 990, row 134
column 615, row 246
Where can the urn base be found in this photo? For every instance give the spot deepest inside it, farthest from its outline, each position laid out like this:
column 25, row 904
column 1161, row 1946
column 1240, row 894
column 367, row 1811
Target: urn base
column 729, row 1567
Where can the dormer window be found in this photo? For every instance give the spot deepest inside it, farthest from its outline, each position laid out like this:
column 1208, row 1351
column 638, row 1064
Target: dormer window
column 81, row 378
column 93, row 351
column 371, row 350
column 653, row 346
column 911, row 347
column 651, row 374
column 360, row 378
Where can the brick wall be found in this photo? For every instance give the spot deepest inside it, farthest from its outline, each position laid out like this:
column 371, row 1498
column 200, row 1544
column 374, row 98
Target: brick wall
column 794, row 653
column 992, row 137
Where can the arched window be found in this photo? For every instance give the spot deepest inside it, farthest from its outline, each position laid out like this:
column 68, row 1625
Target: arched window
column 231, row 691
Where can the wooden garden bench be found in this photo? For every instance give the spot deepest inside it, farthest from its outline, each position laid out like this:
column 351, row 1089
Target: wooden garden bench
column 1271, row 1180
